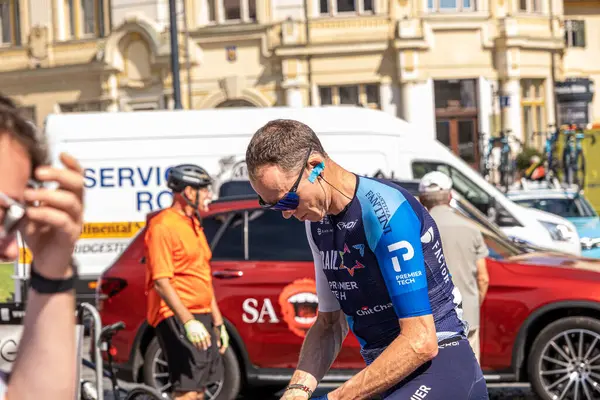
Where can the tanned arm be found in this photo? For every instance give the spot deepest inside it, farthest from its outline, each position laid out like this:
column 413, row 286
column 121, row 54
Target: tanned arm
column 483, row 279
column 320, row 348
column 416, row 345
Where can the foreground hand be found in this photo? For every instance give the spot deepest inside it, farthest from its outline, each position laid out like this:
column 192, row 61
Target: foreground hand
column 223, row 338
column 52, row 228
column 197, row 334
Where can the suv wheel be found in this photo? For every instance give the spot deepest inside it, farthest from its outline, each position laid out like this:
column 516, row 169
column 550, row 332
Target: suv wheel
column 564, row 361
column 156, row 374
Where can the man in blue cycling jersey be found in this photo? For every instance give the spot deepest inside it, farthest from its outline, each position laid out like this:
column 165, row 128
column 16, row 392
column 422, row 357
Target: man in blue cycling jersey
column 380, row 272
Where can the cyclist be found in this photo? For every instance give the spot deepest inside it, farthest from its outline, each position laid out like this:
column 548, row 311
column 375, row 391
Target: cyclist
column 50, row 222
column 181, row 303
column 379, row 269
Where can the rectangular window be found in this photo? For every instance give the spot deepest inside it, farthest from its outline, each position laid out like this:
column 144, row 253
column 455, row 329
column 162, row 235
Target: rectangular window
column 575, row 33
column 5, row 22
column 530, row 6
column 533, row 110
column 82, row 19
column 324, row 6
column 269, row 233
column 346, row 6
column 326, row 95
column 225, row 233
column 238, row 10
column 455, row 94
column 348, row 94
column 212, row 11
column 451, row 5
column 89, row 17
column 366, row 95
column 9, row 23
column 463, row 185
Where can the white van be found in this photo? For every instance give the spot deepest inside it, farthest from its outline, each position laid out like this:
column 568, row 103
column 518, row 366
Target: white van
column 126, row 157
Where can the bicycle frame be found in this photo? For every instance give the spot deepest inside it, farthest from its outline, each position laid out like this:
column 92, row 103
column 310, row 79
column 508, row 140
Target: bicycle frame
column 571, row 152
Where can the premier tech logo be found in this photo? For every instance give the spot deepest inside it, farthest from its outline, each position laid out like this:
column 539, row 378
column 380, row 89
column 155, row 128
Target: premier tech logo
column 98, row 230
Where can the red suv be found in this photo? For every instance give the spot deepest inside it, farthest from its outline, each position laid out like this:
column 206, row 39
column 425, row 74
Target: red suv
column 540, row 319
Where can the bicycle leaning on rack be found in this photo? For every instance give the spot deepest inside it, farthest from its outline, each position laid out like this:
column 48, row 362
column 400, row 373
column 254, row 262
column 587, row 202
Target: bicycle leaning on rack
column 102, row 337
column 573, row 158
column 505, row 165
column 550, row 164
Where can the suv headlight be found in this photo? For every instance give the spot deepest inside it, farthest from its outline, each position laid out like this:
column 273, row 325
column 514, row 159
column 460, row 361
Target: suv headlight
column 589, row 243
column 558, row 232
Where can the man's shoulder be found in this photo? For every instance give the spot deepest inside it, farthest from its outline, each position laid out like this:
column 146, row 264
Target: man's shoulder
column 164, row 221
column 375, row 191
column 446, row 216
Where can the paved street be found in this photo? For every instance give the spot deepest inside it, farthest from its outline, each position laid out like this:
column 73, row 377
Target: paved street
column 497, row 392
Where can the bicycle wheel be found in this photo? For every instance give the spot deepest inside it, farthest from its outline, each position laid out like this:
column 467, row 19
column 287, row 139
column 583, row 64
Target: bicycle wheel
column 144, row 393
column 580, row 171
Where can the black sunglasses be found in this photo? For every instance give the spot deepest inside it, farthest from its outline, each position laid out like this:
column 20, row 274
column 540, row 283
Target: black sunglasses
column 290, row 200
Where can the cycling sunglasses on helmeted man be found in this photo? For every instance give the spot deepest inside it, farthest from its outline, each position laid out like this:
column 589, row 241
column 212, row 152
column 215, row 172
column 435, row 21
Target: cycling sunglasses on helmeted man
column 290, row 200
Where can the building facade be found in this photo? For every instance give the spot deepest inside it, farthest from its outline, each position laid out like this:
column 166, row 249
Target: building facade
column 460, row 69
column 582, row 30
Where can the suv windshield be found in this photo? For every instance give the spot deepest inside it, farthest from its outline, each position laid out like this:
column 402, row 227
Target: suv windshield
column 568, row 208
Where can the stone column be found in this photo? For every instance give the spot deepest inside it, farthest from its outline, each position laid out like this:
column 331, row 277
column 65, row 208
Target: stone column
column 389, row 96
column 293, row 94
column 418, row 106
column 485, row 111
column 512, row 113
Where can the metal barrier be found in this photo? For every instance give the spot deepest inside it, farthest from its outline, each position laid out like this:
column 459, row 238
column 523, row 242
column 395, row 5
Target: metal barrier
column 97, row 329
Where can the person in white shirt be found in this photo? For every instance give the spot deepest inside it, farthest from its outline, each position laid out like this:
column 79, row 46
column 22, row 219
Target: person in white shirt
column 50, row 222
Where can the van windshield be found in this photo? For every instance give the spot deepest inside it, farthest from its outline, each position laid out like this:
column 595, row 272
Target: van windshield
column 472, row 192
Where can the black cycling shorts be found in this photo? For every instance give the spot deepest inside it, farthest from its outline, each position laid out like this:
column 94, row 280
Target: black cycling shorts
column 454, row 374
column 190, row 369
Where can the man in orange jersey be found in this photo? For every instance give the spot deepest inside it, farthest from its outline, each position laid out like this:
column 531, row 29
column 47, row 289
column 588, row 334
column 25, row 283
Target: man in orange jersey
column 181, row 303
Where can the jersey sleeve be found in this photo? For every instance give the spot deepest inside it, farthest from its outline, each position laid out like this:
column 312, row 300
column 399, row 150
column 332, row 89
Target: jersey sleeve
column 327, row 300
column 393, row 232
column 159, row 249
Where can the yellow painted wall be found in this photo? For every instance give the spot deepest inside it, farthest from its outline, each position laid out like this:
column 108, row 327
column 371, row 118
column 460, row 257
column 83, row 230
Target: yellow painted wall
column 457, row 54
column 249, row 64
column 583, row 62
column 353, row 68
column 45, row 94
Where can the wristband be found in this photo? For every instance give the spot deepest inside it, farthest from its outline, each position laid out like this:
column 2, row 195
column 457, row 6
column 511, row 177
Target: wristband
column 299, row 386
column 45, row 285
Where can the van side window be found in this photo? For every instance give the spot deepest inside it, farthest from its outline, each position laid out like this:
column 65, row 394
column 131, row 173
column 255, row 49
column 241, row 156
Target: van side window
column 230, row 244
column 274, row 238
column 463, row 185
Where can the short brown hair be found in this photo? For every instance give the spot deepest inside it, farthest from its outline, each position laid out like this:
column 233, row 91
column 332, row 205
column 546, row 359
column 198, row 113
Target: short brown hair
column 281, row 142
column 24, row 131
column 430, row 200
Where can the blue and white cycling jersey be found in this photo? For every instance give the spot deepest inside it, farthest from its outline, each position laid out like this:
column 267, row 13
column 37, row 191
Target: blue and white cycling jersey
column 381, row 259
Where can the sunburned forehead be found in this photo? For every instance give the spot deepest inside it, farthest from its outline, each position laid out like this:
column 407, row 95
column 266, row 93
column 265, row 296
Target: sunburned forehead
column 272, row 182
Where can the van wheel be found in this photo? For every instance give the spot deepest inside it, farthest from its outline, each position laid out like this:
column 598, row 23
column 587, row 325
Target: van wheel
column 564, row 359
column 156, row 374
